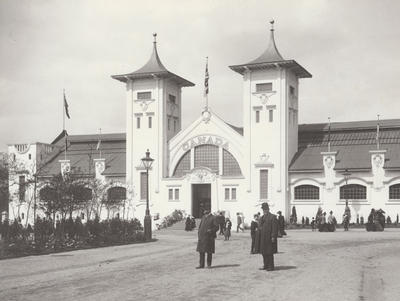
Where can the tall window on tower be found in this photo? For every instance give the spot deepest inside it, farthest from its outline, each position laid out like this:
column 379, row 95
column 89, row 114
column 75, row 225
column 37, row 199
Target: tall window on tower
column 271, row 115
column 22, row 188
column 263, row 184
column 150, row 122
column 143, row 186
column 264, row 87
column 138, row 122
column 257, row 116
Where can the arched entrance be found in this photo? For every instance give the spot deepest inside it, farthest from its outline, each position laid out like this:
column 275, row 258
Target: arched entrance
column 201, row 199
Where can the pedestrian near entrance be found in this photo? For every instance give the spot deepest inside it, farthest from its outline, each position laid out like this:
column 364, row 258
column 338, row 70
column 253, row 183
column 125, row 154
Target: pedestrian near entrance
column 207, row 233
column 281, row 223
column 221, row 223
column 268, row 237
column 253, row 232
column 239, row 222
column 228, row 227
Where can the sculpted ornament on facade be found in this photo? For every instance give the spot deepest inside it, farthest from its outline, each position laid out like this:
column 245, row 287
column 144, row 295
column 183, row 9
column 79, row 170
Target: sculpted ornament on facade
column 329, row 162
column 206, row 114
column 100, row 166
column 200, row 175
column 378, row 161
column 145, row 104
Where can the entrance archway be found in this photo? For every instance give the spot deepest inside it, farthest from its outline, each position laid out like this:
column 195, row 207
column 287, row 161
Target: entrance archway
column 201, row 199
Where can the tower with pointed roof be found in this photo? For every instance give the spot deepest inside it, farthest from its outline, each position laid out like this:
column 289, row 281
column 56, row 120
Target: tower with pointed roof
column 153, row 108
column 270, row 110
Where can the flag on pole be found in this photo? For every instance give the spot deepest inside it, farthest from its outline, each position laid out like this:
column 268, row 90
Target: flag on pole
column 206, row 80
column 66, row 107
column 98, row 144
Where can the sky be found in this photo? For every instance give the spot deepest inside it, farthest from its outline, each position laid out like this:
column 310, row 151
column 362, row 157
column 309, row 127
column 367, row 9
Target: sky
column 350, row 48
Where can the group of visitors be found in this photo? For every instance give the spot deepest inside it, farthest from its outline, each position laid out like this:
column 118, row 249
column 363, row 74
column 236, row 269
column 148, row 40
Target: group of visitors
column 376, row 220
column 264, row 229
column 328, row 224
column 190, row 223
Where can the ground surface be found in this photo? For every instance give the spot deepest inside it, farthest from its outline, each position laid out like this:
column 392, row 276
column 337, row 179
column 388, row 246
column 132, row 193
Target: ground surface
column 355, row 265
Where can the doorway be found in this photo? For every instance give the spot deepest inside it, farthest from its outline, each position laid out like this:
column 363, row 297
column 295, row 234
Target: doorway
column 201, row 199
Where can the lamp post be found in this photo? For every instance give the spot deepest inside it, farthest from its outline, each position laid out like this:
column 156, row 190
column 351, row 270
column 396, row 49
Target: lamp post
column 346, row 174
column 147, row 162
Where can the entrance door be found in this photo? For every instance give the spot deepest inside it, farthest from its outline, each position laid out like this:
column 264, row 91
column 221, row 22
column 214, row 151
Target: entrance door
column 201, row 199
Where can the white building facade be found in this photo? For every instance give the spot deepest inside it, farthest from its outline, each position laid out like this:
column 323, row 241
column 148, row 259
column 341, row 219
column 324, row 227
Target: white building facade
column 214, row 165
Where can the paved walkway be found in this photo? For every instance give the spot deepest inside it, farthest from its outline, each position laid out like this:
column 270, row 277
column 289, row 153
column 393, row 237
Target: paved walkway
column 354, row 265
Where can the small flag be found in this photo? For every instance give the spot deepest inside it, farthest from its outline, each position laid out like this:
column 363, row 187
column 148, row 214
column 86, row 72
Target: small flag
column 98, row 144
column 66, row 107
column 206, row 80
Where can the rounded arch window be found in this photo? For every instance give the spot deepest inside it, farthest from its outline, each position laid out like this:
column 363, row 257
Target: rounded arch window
column 183, row 165
column 48, row 194
column 306, row 192
column 207, row 155
column 353, row 192
column 230, row 165
column 116, row 193
column 394, row 192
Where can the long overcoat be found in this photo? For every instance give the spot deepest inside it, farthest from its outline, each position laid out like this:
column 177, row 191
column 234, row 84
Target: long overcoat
column 268, row 230
column 207, row 233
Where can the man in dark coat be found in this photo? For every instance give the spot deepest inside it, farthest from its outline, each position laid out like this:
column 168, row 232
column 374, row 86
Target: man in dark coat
column 269, row 234
column 281, row 223
column 206, row 238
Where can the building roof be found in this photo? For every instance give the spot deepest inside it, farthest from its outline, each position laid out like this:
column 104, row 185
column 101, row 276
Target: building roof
column 153, row 68
column 271, row 58
column 81, row 152
column 351, row 140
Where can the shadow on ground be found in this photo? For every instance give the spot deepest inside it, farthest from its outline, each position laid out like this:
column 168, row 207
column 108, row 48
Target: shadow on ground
column 285, row 267
column 224, row 266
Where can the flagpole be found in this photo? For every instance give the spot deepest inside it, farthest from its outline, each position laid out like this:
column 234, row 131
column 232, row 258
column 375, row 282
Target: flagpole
column 65, row 136
column 329, row 134
column 99, row 143
column 377, row 134
column 206, row 83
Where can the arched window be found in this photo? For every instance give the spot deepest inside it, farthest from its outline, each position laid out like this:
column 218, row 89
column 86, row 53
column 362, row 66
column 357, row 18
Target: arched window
column 183, row 165
column 207, row 155
column 48, row 194
column 82, row 193
column 230, row 165
column 394, row 192
column 353, row 192
column 116, row 194
column 306, row 192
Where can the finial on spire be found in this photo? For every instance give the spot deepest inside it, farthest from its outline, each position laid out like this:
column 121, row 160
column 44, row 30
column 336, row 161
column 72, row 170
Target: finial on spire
column 272, row 24
column 155, row 37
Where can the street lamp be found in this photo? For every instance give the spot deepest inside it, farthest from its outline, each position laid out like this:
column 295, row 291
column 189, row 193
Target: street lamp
column 346, row 174
column 147, row 162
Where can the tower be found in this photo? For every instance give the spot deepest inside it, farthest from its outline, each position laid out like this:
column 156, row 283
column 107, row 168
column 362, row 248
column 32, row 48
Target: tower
column 270, row 110
column 153, row 108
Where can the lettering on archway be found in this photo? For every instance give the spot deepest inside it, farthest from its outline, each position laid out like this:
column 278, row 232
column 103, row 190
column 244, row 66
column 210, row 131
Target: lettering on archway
column 205, row 139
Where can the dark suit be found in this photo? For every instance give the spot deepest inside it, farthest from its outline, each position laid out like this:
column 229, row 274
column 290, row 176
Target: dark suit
column 206, row 238
column 253, row 230
column 269, row 234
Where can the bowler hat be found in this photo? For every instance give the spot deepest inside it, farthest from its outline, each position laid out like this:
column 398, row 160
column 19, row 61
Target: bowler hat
column 264, row 206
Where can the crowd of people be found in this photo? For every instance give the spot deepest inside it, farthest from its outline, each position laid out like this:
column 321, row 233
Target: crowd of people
column 264, row 230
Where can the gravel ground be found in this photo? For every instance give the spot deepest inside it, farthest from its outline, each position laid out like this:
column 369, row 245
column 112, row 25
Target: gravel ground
column 355, row 265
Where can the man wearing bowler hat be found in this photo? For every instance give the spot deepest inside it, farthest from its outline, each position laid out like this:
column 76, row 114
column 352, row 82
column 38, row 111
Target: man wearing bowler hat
column 206, row 238
column 269, row 234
